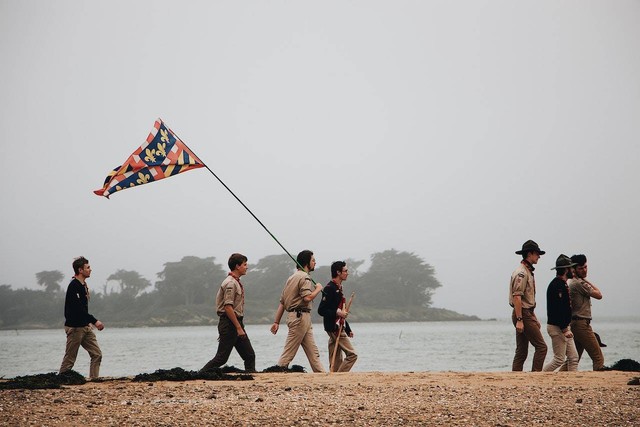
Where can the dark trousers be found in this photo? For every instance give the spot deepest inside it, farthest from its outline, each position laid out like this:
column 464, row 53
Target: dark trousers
column 531, row 334
column 227, row 341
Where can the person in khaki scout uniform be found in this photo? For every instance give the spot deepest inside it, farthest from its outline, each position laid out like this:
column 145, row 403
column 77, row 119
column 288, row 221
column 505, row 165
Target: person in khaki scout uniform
column 522, row 297
column 296, row 299
column 230, row 308
column 581, row 291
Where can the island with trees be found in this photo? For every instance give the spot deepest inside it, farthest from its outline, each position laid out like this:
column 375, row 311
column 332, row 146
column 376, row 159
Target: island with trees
column 396, row 286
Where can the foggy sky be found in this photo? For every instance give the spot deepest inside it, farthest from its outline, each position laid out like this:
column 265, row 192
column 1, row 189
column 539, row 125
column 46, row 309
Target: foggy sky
column 453, row 130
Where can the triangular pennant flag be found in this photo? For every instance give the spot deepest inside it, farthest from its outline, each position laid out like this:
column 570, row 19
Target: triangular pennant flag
column 162, row 156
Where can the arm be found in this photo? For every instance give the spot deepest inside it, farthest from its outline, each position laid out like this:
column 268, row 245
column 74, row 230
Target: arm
column 76, row 310
column 594, row 292
column 517, row 307
column 228, row 309
column 342, row 313
column 347, row 329
column 313, row 294
column 558, row 308
column 71, row 304
column 276, row 323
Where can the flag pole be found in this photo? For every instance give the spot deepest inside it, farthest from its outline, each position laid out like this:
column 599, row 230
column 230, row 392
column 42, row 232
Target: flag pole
column 242, row 203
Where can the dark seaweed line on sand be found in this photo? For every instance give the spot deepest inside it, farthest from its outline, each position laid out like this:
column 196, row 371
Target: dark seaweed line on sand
column 53, row 380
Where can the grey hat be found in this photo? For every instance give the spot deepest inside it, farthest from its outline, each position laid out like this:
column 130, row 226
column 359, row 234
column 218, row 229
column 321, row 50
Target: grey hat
column 530, row 246
column 563, row 261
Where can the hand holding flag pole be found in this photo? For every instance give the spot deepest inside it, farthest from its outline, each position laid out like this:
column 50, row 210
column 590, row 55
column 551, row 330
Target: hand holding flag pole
column 163, row 155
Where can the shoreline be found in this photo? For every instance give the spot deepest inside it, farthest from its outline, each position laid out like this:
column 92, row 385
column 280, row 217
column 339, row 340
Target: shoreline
column 359, row 398
column 470, row 318
column 214, row 321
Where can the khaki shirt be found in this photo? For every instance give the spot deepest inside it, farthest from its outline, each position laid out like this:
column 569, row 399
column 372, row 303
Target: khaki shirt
column 298, row 286
column 580, row 292
column 230, row 293
column 524, row 284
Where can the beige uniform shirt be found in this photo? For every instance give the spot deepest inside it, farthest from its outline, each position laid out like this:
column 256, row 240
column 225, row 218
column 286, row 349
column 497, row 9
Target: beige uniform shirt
column 298, row 286
column 230, row 292
column 580, row 292
column 524, row 284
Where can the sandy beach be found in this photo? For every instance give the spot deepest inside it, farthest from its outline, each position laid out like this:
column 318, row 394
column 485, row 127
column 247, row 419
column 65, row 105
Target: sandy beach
column 363, row 399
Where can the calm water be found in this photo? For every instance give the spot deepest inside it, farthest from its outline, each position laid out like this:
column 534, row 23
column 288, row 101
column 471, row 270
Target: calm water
column 416, row 346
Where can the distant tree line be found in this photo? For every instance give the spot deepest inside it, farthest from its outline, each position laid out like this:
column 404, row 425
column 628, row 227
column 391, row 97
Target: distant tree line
column 397, row 286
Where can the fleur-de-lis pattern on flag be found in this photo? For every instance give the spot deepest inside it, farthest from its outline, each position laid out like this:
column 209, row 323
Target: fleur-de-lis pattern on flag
column 162, row 156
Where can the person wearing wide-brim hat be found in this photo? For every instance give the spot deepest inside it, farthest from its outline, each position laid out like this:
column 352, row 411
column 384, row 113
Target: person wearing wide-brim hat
column 522, row 297
column 559, row 318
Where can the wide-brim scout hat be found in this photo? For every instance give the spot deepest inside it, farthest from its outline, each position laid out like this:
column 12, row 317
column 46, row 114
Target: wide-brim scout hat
column 563, row 261
column 600, row 343
column 530, row 246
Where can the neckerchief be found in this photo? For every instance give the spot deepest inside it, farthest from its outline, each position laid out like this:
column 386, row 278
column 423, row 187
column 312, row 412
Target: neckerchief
column 531, row 269
column 566, row 285
column 340, row 320
column 86, row 288
column 528, row 265
column 239, row 283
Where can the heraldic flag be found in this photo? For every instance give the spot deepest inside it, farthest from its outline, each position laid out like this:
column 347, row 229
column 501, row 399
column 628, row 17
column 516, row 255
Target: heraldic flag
column 162, row 156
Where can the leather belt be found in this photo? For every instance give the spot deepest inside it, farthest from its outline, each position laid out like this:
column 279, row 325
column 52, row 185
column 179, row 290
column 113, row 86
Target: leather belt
column 299, row 311
column 581, row 318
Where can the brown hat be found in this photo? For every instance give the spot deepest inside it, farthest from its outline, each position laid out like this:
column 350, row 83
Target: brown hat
column 530, row 246
column 600, row 343
column 563, row 261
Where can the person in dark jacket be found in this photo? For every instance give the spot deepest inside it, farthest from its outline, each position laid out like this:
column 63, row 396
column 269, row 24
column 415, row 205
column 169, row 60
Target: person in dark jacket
column 559, row 318
column 332, row 309
column 79, row 323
